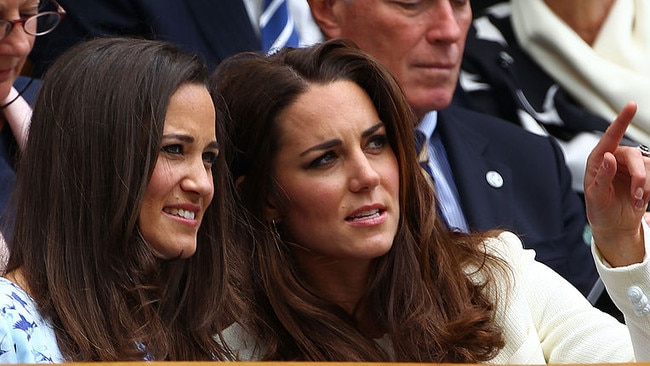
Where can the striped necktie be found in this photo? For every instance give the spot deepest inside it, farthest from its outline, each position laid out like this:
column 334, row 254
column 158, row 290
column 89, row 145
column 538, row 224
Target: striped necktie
column 423, row 156
column 277, row 26
column 434, row 164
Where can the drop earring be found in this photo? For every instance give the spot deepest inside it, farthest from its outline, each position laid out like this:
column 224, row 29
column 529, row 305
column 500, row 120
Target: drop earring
column 275, row 228
column 277, row 239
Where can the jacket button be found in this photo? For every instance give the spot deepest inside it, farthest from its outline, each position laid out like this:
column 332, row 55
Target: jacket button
column 639, row 301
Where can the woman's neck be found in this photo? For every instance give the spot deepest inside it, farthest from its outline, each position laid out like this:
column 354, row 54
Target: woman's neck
column 16, row 276
column 344, row 282
column 341, row 281
column 585, row 17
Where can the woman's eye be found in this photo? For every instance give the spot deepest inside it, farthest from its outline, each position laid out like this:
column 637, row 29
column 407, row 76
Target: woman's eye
column 175, row 149
column 210, row 158
column 28, row 11
column 322, row 160
column 377, row 143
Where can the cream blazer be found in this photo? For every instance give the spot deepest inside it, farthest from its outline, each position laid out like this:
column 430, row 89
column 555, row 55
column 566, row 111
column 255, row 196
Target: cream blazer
column 545, row 319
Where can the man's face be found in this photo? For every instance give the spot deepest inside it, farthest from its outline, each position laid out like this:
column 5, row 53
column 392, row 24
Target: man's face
column 420, row 41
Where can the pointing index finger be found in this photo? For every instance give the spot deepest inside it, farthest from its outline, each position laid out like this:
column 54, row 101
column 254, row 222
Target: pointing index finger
column 615, row 132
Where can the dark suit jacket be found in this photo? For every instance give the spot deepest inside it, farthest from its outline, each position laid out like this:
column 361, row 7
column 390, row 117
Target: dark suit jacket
column 214, row 29
column 536, row 200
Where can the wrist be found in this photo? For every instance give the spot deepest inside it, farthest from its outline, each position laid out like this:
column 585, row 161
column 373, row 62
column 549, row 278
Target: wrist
column 620, row 247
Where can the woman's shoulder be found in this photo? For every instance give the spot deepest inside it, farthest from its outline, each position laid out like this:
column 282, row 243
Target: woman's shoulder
column 13, row 297
column 25, row 337
column 508, row 246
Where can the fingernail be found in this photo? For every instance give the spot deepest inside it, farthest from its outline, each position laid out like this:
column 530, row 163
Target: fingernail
column 640, row 205
column 638, row 194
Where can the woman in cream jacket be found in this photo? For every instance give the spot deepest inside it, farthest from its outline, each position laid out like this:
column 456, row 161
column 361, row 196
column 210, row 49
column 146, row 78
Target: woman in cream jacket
column 349, row 260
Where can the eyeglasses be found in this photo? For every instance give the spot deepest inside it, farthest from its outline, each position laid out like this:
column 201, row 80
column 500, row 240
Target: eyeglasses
column 35, row 25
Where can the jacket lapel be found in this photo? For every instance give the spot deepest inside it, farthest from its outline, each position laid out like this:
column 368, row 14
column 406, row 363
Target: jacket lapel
column 485, row 203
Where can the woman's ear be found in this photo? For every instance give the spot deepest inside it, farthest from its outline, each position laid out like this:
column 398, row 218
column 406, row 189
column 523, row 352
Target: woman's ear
column 271, row 210
column 239, row 181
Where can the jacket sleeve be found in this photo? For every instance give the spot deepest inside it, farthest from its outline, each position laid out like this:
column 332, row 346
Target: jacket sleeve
column 568, row 328
column 629, row 288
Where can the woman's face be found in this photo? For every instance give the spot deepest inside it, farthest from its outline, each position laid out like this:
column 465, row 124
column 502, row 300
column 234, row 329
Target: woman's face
column 14, row 47
column 181, row 186
column 339, row 174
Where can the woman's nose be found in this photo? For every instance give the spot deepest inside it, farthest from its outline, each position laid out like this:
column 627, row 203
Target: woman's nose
column 198, row 178
column 363, row 174
column 19, row 41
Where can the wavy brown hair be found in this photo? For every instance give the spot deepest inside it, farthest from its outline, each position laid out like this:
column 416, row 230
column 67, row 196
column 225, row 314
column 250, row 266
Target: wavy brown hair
column 93, row 144
column 419, row 292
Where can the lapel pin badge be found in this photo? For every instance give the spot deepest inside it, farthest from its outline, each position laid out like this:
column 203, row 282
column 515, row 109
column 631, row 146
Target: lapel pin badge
column 494, row 179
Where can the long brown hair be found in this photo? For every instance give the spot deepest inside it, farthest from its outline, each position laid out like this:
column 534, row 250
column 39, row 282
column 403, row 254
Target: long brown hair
column 419, row 292
column 93, row 143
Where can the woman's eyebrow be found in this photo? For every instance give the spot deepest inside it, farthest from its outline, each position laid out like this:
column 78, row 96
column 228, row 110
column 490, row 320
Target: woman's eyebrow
column 184, row 138
column 372, row 129
column 323, row 146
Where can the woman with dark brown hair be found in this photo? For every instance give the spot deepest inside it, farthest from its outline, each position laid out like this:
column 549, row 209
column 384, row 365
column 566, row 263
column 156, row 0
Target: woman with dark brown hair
column 349, row 259
column 119, row 249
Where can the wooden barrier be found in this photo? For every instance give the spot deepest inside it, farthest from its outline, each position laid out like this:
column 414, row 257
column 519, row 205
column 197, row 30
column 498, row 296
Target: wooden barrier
column 269, row 363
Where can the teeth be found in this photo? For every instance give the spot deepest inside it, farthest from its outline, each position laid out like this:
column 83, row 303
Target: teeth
column 182, row 213
column 365, row 215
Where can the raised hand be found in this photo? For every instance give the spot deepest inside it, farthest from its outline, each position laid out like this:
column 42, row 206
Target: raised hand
column 617, row 191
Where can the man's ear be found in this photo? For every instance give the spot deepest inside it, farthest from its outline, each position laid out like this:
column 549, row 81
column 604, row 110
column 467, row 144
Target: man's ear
column 323, row 13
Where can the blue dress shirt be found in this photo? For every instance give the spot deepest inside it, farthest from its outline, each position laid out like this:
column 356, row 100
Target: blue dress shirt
column 442, row 175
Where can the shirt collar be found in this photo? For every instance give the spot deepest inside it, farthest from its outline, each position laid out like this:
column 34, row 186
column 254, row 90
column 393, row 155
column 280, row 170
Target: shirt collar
column 428, row 123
